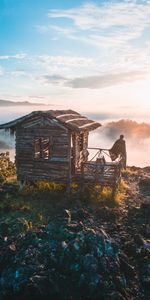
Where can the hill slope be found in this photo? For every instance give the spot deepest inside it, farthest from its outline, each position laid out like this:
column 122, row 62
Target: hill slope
column 58, row 248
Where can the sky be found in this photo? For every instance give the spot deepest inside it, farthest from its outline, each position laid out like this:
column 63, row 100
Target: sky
column 91, row 56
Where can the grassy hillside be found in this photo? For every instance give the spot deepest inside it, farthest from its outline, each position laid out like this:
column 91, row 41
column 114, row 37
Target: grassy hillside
column 55, row 246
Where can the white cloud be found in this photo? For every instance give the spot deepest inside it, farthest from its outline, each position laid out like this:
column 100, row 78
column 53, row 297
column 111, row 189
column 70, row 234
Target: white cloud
column 106, row 80
column 62, row 30
column 18, row 73
column 1, row 71
column 66, row 65
column 92, row 82
column 92, row 16
column 53, row 28
column 129, row 59
column 18, row 56
column 67, row 60
column 110, row 24
column 116, row 31
column 54, row 79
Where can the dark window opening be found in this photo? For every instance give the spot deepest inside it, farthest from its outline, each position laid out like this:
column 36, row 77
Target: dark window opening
column 42, row 148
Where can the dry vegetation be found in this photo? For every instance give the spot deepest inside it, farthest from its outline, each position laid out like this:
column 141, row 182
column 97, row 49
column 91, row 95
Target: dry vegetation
column 7, row 167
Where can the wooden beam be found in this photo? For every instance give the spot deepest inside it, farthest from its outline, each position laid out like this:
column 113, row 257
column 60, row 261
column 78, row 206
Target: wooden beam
column 65, row 115
column 75, row 119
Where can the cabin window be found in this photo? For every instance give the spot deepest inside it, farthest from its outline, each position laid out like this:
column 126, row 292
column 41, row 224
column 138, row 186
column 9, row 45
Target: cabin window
column 42, row 148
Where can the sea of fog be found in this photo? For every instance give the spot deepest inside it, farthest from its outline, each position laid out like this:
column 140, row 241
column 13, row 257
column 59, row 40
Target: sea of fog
column 138, row 146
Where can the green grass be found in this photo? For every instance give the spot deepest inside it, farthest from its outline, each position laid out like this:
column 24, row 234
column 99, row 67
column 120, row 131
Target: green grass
column 32, row 206
column 105, row 195
column 35, row 205
column 29, row 208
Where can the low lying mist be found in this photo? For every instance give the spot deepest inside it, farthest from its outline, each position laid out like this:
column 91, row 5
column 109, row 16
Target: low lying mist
column 4, row 145
column 137, row 135
column 7, row 143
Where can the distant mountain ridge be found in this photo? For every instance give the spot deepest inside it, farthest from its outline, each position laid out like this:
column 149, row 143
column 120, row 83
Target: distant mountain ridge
column 18, row 103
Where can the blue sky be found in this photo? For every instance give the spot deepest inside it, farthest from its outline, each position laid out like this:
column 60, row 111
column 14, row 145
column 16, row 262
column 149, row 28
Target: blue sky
column 87, row 55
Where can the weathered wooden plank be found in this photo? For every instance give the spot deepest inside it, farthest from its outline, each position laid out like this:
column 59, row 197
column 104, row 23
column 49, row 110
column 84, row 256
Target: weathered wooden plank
column 61, row 154
column 41, row 172
column 24, row 146
column 60, row 159
column 58, row 147
column 42, row 129
column 42, row 166
column 24, row 165
column 36, row 173
column 61, row 139
column 36, row 178
column 40, row 132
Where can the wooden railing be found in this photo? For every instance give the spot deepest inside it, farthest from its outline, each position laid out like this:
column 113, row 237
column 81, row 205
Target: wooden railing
column 98, row 171
column 107, row 174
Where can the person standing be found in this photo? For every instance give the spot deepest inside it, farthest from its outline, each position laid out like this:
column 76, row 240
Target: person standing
column 118, row 150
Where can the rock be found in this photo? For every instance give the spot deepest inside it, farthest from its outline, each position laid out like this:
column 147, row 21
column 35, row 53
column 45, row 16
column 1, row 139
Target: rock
column 130, row 248
column 116, row 296
column 33, row 256
column 4, row 228
column 138, row 240
column 144, row 185
column 84, row 252
column 146, row 282
column 126, row 267
column 145, row 205
column 89, row 263
column 68, row 215
column 146, row 169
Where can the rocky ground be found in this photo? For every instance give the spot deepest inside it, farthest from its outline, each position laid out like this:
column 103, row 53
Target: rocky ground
column 85, row 250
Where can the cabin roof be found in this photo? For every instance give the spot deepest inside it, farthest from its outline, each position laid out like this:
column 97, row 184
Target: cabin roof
column 68, row 118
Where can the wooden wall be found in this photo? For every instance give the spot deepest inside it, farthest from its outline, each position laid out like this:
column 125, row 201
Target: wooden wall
column 57, row 167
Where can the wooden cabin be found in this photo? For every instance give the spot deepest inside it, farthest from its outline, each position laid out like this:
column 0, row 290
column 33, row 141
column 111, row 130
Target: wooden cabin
column 53, row 145
column 49, row 143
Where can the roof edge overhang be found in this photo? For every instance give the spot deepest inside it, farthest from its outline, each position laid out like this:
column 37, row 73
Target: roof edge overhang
column 14, row 123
